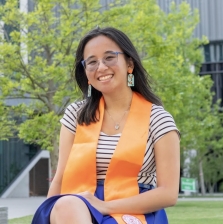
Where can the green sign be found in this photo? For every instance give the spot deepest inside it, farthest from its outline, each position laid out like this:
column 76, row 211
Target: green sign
column 188, row 184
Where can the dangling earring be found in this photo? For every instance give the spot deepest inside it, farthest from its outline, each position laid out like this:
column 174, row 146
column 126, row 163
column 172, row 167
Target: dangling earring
column 130, row 78
column 89, row 90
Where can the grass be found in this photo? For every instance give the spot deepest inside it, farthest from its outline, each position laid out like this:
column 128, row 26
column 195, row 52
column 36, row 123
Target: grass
column 23, row 220
column 197, row 212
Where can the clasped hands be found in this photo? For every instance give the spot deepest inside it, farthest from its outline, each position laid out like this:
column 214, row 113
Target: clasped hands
column 100, row 205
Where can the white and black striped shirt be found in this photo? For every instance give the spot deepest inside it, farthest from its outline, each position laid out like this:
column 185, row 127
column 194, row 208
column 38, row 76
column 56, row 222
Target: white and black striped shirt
column 161, row 122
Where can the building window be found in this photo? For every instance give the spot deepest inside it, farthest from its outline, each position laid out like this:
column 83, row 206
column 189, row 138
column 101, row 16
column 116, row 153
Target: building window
column 213, row 66
column 2, row 2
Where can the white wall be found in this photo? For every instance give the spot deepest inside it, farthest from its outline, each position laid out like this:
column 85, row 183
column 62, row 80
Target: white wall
column 22, row 188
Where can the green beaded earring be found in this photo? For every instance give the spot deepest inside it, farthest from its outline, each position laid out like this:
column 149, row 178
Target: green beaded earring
column 89, row 90
column 130, row 78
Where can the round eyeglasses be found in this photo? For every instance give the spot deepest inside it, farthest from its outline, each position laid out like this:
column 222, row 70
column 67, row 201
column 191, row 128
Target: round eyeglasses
column 110, row 58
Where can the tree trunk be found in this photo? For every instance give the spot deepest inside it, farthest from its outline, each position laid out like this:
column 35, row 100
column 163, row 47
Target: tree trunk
column 54, row 158
column 203, row 191
column 211, row 188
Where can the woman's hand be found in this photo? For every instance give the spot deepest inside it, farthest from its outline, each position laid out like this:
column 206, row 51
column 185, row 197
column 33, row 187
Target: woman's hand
column 100, row 205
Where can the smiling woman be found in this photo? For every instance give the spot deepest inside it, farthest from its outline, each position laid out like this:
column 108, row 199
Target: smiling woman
column 119, row 149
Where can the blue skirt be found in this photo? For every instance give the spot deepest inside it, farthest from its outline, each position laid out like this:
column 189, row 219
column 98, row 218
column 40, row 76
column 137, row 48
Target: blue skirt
column 42, row 215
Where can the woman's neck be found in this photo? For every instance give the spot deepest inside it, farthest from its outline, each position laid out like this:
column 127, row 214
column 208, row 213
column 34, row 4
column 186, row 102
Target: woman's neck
column 119, row 102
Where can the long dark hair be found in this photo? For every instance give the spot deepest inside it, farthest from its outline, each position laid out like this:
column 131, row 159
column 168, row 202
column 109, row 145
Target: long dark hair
column 142, row 78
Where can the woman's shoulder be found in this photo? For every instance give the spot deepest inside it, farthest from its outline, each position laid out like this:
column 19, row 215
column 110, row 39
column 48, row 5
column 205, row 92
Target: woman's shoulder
column 75, row 106
column 69, row 119
column 161, row 122
column 158, row 111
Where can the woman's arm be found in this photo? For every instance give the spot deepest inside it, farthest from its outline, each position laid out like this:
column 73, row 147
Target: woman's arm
column 65, row 145
column 167, row 158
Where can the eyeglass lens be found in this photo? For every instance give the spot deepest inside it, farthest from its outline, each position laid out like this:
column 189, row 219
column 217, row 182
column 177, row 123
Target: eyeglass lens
column 109, row 59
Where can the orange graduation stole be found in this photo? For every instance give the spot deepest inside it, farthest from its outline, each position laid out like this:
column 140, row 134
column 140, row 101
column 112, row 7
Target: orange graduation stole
column 121, row 177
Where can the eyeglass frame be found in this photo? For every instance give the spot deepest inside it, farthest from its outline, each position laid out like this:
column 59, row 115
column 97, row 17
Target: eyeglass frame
column 113, row 52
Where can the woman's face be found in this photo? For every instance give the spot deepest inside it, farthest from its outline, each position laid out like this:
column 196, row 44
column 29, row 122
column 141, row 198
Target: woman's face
column 106, row 78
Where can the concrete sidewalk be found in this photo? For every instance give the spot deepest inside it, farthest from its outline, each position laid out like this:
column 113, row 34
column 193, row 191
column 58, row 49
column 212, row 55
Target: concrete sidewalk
column 20, row 207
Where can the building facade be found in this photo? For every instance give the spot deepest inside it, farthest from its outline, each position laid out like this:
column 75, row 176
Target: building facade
column 210, row 25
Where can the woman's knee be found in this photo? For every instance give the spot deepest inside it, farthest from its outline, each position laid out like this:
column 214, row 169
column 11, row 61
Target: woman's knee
column 69, row 208
column 67, row 203
column 65, row 200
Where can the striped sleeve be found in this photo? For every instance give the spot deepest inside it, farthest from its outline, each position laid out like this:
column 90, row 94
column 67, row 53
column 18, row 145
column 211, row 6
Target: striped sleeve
column 161, row 122
column 69, row 120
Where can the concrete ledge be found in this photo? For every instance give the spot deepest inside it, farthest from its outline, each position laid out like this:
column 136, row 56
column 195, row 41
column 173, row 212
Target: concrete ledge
column 3, row 215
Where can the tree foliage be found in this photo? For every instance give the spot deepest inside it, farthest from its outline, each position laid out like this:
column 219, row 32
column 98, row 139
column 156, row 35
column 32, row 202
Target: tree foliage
column 37, row 56
column 6, row 123
column 210, row 153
